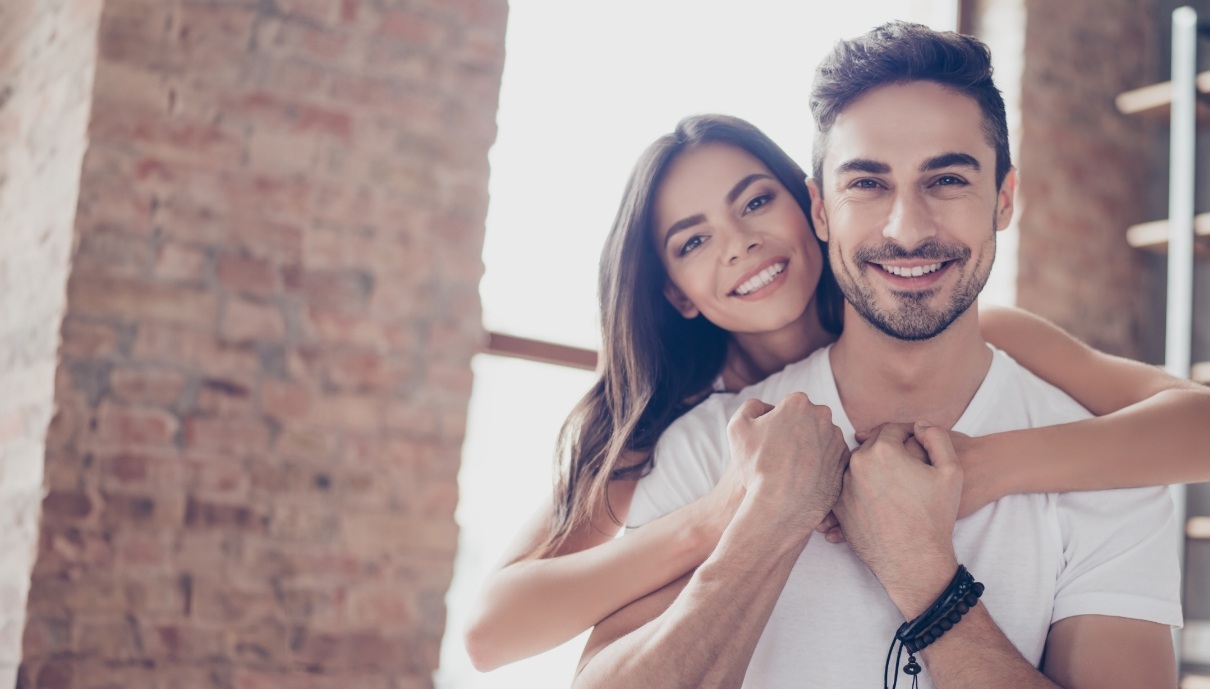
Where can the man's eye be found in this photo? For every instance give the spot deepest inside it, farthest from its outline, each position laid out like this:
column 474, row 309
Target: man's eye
column 694, row 242
column 865, row 184
column 950, row 180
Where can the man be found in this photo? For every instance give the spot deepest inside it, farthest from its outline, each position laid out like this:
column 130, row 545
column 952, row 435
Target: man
column 912, row 180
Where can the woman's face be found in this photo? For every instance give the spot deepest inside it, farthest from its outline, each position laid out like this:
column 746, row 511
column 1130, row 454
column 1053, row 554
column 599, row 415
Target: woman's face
column 736, row 245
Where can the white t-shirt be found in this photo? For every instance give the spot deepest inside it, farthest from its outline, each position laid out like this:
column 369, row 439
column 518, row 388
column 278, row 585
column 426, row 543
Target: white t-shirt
column 1042, row 557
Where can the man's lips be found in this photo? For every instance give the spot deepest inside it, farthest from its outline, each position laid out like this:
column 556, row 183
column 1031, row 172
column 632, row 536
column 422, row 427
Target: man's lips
column 913, row 274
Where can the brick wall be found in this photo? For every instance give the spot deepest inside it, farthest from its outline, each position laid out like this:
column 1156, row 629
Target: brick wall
column 1086, row 168
column 266, row 353
column 47, row 56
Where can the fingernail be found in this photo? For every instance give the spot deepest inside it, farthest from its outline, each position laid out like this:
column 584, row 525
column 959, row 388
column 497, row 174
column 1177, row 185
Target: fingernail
column 924, row 424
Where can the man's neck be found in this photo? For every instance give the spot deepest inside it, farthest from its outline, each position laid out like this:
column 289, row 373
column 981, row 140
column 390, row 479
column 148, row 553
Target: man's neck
column 883, row 379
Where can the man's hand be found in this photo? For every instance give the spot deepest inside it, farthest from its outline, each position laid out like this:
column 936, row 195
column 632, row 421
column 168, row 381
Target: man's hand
column 898, row 512
column 793, row 455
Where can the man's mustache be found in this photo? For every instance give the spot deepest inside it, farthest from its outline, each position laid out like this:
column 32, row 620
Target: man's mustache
column 929, row 251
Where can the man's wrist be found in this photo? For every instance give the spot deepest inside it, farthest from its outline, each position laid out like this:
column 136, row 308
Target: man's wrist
column 917, row 588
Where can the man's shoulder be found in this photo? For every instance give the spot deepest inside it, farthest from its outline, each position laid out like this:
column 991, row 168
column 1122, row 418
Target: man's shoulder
column 1012, row 397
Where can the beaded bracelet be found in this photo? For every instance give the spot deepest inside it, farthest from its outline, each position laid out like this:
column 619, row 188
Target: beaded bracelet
column 956, row 600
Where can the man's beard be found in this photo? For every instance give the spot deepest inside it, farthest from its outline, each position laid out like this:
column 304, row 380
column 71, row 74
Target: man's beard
column 910, row 317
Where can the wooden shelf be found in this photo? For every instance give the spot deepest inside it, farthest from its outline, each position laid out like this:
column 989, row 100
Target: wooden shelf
column 1153, row 236
column 1155, row 101
column 1201, row 373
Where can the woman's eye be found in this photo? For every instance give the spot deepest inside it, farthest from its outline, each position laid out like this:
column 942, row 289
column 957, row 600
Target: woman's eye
column 758, row 202
column 694, row 242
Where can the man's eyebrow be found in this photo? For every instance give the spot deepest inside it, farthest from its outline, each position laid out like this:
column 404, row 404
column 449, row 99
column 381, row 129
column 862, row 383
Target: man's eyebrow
column 865, row 165
column 682, row 224
column 950, row 160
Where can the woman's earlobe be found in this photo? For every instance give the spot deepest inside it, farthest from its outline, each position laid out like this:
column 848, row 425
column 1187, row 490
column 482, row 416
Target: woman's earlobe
column 679, row 301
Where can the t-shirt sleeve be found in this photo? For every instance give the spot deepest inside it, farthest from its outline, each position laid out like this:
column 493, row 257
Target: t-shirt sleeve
column 1120, row 555
column 688, row 462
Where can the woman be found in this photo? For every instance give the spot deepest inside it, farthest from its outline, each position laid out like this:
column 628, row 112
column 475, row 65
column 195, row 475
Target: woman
column 662, row 354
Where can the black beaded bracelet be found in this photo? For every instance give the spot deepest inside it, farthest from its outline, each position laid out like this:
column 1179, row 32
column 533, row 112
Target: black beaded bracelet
column 956, row 600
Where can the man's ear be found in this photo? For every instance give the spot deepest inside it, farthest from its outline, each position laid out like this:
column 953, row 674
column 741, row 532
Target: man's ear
column 1005, row 199
column 819, row 217
column 679, row 301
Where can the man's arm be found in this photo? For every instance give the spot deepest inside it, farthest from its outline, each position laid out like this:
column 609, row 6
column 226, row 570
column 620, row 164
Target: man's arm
column 898, row 515
column 701, row 631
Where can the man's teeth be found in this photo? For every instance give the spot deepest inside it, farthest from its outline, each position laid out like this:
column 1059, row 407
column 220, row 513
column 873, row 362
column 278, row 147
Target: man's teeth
column 761, row 279
column 914, row 272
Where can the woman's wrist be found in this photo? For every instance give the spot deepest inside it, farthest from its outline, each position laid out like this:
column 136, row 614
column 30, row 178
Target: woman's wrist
column 985, row 476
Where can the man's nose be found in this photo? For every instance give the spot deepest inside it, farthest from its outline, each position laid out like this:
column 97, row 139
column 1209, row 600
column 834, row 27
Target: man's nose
column 911, row 221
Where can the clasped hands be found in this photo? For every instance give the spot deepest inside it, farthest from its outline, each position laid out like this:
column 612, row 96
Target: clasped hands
column 896, row 497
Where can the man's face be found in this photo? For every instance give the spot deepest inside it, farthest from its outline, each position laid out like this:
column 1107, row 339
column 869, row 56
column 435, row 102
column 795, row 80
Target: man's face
column 910, row 206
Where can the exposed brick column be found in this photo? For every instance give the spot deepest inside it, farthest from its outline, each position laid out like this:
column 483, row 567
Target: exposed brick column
column 266, row 354
column 47, row 58
column 1086, row 168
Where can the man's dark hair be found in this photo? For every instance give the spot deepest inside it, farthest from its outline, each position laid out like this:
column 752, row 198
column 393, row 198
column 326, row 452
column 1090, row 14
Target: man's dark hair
column 897, row 53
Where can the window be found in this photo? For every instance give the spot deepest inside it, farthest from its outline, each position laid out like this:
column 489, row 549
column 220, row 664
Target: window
column 587, row 86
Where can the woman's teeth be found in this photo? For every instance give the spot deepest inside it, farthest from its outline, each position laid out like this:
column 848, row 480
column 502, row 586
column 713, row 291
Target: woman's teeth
column 761, row 279
column 914, row 272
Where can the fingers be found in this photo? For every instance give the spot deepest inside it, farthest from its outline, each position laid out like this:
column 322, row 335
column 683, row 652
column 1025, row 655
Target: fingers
column 752, row 409
column 897, row 432
column 936, row 441
column 829, row 522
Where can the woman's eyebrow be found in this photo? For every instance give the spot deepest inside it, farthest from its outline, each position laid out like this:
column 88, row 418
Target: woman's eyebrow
column 743, row 184
column 682, row 224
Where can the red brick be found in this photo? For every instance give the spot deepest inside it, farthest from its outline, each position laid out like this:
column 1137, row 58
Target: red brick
column 235, row 435
column 411, row 29
column 255, row 276
column 286, row 39
column 363, row 370
column 106, row 252
column 180, row 139
column 285, row 401
column 337, row 327
column 344, row 290
column 194, row 348
column 141, row 551
column 64, row 506
column 130, row 426
column 320, row 11
column 181, row 263
column 247, row 321
column 223, row 397
column 202, row 514
column 87, row 340
column 347, row 412
column 154, row 386
column 184, row 641
column 136, row 300
column 145, row 471
column 384, row 607
column 216, row 477
column 298, row 117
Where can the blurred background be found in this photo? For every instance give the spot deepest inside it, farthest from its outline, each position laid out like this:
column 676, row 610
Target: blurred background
column 295, row 294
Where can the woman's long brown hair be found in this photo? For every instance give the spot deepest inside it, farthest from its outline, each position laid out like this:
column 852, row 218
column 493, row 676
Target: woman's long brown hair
column 654, row 363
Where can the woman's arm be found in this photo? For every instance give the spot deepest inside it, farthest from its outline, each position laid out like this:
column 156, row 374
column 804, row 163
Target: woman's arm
column 532, row 605
column 1151, row 428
